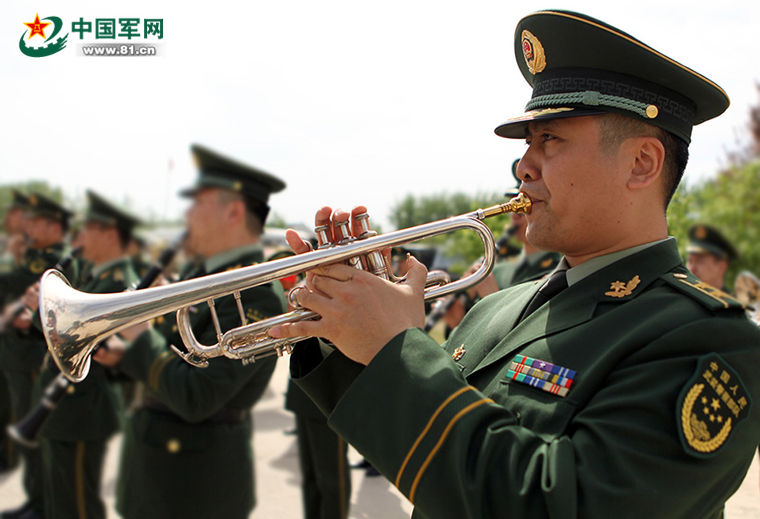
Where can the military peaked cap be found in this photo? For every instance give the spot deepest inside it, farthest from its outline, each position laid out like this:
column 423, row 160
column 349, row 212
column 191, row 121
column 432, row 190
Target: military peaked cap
column 512, row 192
column 41, row 205
column 578, row 65
column 705, row 239
column 18, row 200
column 102, row 211
column 217, row 171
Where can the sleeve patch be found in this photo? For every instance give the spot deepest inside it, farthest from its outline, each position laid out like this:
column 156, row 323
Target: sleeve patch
column 711, row 405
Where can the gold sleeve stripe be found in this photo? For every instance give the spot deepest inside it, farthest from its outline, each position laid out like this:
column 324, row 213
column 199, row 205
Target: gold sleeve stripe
column 435, row 449
column 427, row 428
column 157, row 367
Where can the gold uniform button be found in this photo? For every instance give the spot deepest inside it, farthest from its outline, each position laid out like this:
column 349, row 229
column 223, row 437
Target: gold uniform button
column 652, row 111
column 70, row 390
column 173, row 446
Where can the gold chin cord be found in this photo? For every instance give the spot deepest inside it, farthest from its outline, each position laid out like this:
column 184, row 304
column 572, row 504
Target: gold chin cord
column 74, row 322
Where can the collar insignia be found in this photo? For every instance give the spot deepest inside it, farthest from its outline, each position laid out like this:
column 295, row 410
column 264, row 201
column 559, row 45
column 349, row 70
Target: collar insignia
column 541, row 374
column 713, row 402
column 38, row 266
column 546, row 263
column 458, row 353
column 620, row 289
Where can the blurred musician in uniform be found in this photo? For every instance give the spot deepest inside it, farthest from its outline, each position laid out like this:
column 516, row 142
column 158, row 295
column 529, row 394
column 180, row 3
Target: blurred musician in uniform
column 23, row 350
column 75, row 436
column 709, row 255
column 187, row 449
column 322, row 454
column 10, row 257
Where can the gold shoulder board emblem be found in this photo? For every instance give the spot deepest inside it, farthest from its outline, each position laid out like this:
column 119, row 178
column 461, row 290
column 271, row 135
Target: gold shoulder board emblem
column 533, row 52
column 620, row 289
column 712, row 404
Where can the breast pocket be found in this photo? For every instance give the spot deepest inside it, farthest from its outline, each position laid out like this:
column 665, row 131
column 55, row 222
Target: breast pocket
column 546, row 414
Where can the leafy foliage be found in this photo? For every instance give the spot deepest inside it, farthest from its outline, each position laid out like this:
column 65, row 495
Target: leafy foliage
column 461, row 248
column 731, row 203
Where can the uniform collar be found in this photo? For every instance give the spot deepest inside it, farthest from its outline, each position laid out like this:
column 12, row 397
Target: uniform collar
column 585, row 269
column 99, row 269
column 217, row 261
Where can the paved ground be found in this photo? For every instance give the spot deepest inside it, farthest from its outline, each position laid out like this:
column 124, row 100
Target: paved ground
column 278, row 476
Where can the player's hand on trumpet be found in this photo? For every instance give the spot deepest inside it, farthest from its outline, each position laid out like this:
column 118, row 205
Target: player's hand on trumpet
column 360, row 312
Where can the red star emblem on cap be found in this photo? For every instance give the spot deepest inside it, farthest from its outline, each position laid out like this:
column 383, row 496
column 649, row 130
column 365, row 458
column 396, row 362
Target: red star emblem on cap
column 37, row 27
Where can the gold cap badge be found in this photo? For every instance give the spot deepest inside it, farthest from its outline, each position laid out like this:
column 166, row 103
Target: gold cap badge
column 533, row 52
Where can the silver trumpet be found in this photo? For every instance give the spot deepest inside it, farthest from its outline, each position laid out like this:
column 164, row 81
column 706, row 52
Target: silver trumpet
column 74, row 322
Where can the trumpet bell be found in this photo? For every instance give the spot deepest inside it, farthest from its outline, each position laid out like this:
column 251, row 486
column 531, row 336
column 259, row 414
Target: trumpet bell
column 67, row 324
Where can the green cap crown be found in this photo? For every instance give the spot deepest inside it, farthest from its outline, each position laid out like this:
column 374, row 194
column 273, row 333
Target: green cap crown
column 706, row 239
column 102, row 211
column 42, row 205
column 218, row 171
column 18, row 200
column 578, row 65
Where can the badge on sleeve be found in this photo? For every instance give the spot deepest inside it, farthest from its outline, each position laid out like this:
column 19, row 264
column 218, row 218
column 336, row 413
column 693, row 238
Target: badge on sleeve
column 712, row 404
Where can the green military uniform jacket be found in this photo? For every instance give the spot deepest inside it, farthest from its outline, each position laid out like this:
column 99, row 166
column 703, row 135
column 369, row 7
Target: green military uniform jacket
column 93, row 409
column 649, row 349
column 525, row 268
column 169, row 452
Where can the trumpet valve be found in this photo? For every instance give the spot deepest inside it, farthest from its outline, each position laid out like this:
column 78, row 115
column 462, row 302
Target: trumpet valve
column 323, row 240
column 282, row 350
column 363, row 221
column 344, row 233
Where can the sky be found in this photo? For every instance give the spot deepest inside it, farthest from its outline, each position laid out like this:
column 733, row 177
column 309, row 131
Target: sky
column 349, row 102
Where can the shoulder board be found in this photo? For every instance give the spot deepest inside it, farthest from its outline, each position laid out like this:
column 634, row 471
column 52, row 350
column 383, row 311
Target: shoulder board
column 713, row 298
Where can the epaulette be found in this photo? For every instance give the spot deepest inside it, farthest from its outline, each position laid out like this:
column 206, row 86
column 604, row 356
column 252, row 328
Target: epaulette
column 713, row 298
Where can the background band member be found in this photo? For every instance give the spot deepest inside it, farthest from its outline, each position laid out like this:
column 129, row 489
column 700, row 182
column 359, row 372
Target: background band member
column 74, row 438
column 10, row 258
column 709, row 254
column 24, row 349
column 195, row 426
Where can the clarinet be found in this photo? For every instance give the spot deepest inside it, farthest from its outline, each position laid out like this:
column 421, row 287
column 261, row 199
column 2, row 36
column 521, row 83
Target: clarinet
column 440, row 308
column 26, row 432
column 19, row 305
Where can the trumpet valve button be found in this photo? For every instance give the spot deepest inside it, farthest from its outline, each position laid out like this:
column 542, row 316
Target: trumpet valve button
column 363, row 221
column 321, row 232
column 343, row 233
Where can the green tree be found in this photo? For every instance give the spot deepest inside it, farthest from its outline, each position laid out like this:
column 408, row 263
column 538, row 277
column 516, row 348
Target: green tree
column 458, row 249
column 731, row 203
